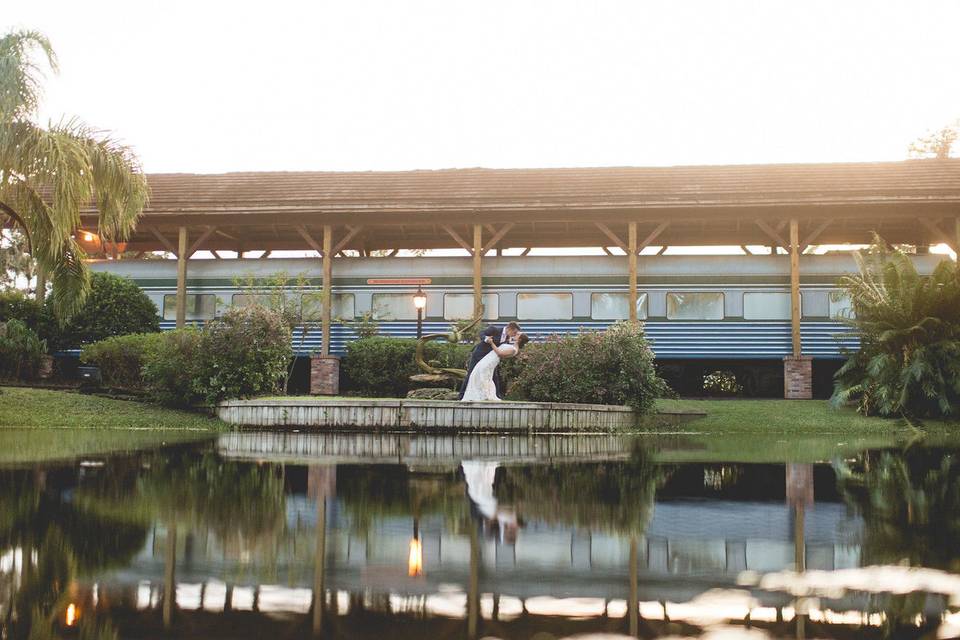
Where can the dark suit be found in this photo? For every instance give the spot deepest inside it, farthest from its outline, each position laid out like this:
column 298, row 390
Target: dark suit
column 478, row 353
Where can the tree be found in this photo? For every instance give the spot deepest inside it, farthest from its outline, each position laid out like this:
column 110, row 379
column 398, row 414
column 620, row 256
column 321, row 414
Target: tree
column 909, row 330
column 938, row 144
column 49, row 174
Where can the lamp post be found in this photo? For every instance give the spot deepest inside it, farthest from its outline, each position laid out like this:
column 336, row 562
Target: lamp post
column 420, row 302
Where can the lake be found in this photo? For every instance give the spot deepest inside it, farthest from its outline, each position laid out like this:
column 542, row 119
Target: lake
column 287, row 535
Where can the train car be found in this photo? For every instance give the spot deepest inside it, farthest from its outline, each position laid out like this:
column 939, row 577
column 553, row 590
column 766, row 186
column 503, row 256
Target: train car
column 702, row 313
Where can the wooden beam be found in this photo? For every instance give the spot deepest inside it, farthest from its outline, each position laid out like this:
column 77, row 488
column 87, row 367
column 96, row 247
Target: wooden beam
column 943, row 236
column 477, row 271
column 632, row 266
column 351, row 234
column 199, row 241
column 795, row 286
column 813, row 235
column 607, row 251
column 327, row 298
column 663, row 250
column 653, row 236
column 614, row 237
column 265, row 254
column 163, row 240
column 216, row 255
column 956, row 237
column 456, row 236
column 525, row 251
column 498, row 236
column 305, row 234
column 182, row 279
column 776, row 237
column 745, row 250
column 222, row 233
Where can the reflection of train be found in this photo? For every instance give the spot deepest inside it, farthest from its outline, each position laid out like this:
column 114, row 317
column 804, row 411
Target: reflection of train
column 701, row 311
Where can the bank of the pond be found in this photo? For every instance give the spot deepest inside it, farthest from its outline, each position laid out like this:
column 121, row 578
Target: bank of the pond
column 794, row 417
column 38, row 425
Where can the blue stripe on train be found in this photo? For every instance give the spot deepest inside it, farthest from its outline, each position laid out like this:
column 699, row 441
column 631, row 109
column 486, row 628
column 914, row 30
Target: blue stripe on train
column 671, row 339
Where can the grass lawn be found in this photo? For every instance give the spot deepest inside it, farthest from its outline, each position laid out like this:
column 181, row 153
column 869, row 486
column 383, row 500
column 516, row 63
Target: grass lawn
column 38, row 425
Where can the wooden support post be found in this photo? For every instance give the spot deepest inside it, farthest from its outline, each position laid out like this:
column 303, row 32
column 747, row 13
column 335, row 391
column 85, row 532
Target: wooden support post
column 633, row 599
column 477, row 271
column 795, row 285
column 182, row 279
column 319, row 565
column 170, row 576
column 632, row 266
column 956, row 237
column 327, row 287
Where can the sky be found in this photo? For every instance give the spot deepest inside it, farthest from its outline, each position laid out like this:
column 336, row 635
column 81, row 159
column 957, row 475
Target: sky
column 207, row 86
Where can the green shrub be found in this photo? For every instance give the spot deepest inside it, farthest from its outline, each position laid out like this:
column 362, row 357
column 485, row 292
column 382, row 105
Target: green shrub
column 244, row 353
column 121, row 358
column 171, row 368
column 613, row 367
column 379, row 366
column 909, row 330
column 20, row 350
column 116, row 306
column 16, row 305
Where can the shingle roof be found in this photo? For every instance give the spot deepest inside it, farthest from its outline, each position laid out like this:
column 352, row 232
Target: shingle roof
column 586, row 188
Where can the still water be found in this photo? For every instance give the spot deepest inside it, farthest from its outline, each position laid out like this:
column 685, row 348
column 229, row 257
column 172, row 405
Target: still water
column 287, row 535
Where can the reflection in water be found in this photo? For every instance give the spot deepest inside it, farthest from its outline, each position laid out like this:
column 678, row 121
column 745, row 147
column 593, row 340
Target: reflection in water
column 485, row 536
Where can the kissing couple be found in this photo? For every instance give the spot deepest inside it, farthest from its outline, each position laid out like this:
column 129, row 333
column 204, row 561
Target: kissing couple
column 483, row 379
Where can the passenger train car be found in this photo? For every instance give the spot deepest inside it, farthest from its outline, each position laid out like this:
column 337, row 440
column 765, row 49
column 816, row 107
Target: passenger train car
column 701, row 312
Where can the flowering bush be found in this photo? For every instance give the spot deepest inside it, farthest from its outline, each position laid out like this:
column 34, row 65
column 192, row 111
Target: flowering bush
column 721, row 383
column 612, row 367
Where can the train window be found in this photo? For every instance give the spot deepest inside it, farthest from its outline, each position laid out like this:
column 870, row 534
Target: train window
column 766, row 305
column 200, row 306
column 250, row 299
column 545, row 306
column 395, row 306
column 616, row 306
column 840, row 305
column 459, row 306
column 312, row 306
column 695, row 306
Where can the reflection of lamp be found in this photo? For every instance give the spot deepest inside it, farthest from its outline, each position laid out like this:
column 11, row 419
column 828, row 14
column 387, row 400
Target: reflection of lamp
column 420, row 302
column 70, row 619
column 415, row 558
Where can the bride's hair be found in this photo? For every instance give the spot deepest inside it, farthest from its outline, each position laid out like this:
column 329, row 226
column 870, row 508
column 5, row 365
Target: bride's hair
column 522, row 339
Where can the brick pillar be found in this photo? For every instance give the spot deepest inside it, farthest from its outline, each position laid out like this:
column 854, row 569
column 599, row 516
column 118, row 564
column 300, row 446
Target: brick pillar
column 324, row 375
column 798, row 377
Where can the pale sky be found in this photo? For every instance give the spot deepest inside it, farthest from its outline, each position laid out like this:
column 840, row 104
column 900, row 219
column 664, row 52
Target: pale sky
column 207, row 86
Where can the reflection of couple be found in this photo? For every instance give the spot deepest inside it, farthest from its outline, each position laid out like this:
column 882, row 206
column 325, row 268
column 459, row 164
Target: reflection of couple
column 496, row 519
column 483, row 380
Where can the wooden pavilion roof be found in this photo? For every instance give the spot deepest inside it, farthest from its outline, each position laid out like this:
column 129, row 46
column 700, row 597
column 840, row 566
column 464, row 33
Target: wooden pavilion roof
column 912, row 201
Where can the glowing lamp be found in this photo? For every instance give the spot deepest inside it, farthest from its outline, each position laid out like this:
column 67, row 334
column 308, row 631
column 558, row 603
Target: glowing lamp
column 73, row 613
column 415, row 559
column 87, row 236
column 420, row 299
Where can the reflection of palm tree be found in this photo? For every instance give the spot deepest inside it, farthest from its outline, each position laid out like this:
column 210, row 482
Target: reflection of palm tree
column 67, row 539
column 910, row 504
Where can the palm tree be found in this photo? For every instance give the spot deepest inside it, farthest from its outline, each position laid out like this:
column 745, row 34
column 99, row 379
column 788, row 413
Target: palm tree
column 48, row 174
column 909, row 330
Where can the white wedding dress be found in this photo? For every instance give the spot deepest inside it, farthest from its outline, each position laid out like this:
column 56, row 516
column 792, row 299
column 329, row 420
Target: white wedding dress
column 480, row 386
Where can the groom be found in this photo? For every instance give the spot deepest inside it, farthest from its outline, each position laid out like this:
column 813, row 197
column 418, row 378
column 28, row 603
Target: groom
column 500, row 335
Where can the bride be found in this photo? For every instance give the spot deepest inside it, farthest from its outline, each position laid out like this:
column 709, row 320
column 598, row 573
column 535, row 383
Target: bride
column 480, row 386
